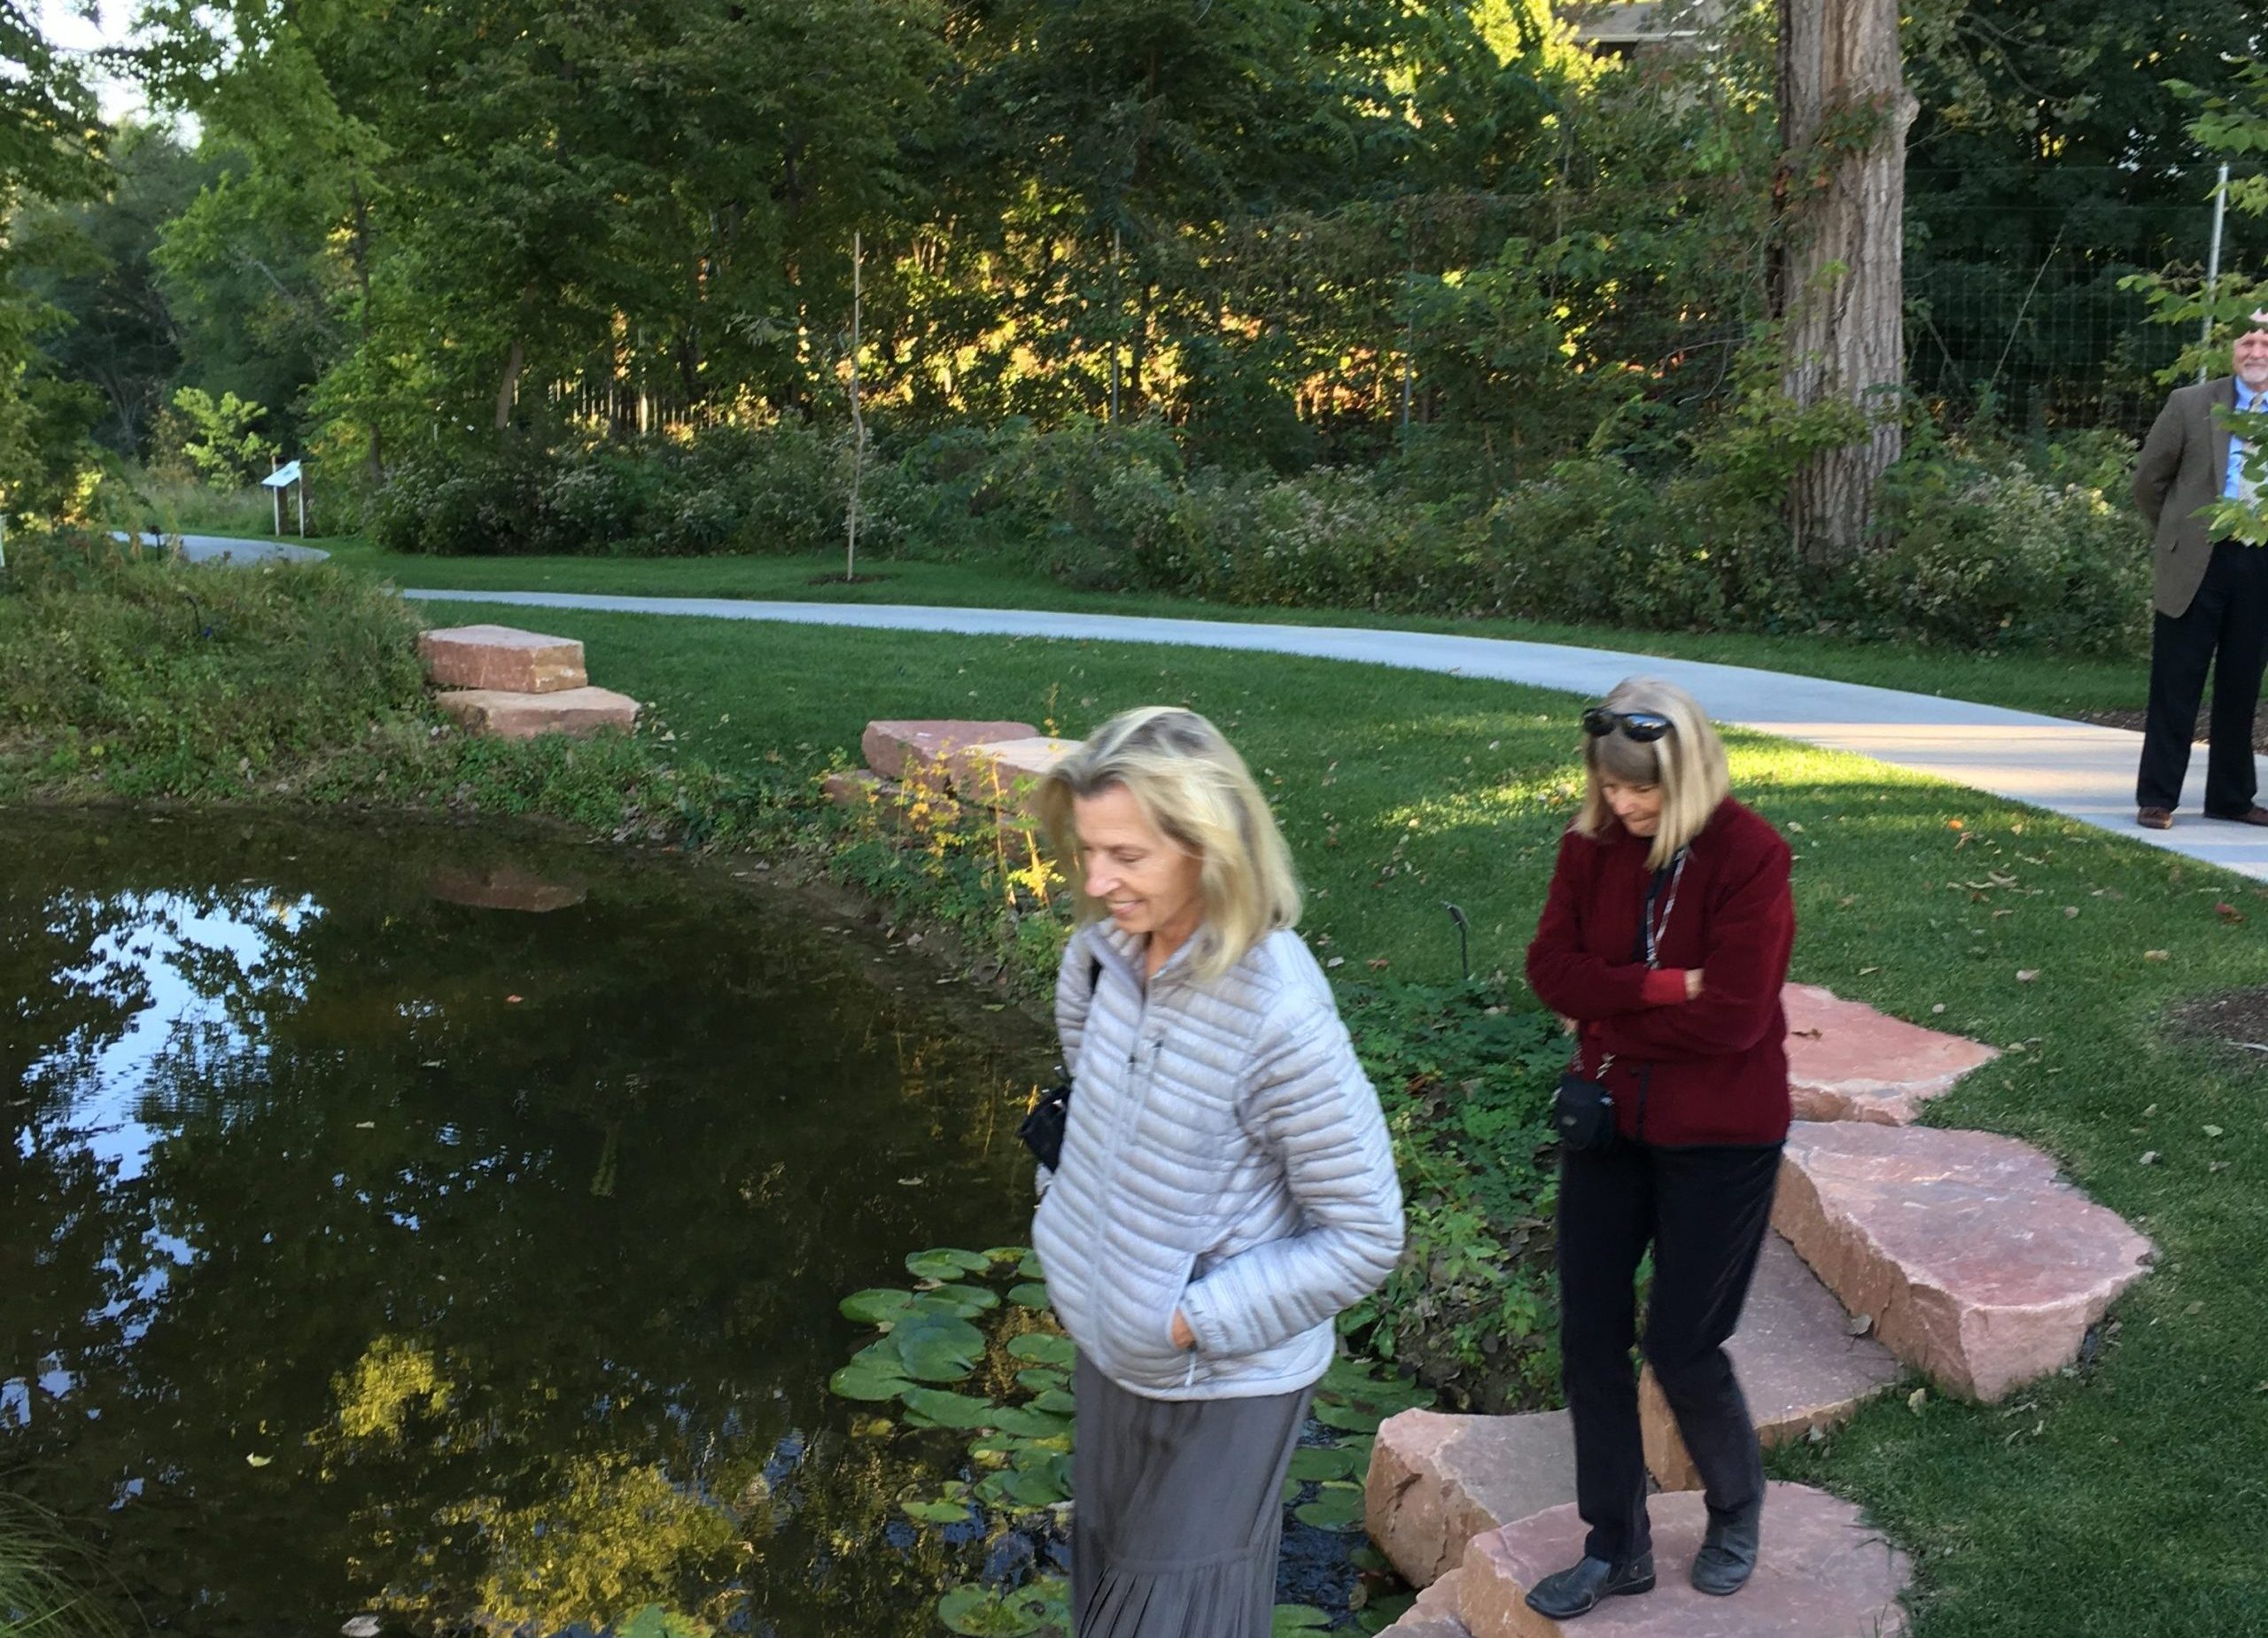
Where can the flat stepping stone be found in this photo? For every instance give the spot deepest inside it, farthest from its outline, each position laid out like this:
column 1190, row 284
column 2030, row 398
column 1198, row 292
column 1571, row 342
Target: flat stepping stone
column 1799, row 1365
column 1434, row 1615
column 1004, row 774
column 1976, row 1262
column 502, row 886
column 1848, row 1062
column 1437, row 1480
column 1822, row 1574
column 509, row 715
column 889, row 745
column 501, row 658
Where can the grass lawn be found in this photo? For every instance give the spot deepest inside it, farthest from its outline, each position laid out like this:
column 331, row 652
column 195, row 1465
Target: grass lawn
column 2028, row 682
column 2125, row 1500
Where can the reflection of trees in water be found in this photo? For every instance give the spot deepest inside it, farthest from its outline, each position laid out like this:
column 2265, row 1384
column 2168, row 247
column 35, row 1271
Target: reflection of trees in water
column 523, row 1306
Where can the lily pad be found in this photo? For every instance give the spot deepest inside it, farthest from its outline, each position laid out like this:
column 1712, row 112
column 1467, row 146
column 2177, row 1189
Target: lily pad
column 1028, row 1294
column 967, row 1302
column 1321, row 1462
column 1291, row 1618
column 1041, row 1483
column 1028, row 1268
column 1055, row 1401
column 1349, row 1418
column 1027, row 1423
column 947, row 1263
column 878, row 1305
column 866, row 1382
column 1337, row 1506
column 1040, row 1379
column 1044, row 1347
column 980, row 1612
column 937, row 1348
column 1384, row 1610
column 653, row 1621
column 942, row 1408
column 936, row 1512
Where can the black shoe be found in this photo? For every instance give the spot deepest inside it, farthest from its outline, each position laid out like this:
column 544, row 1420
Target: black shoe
column 1573, row 1592
column 1728, row 1555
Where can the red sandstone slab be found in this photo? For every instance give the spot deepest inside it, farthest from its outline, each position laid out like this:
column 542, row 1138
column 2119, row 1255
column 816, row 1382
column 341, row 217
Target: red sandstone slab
column 501, row 658
column 887, row 745
column 1822, row 1574
column 1434, row 1615
column 1976, row 1262
column 1848, row 1062
column 512, row 715
column 1005, row 774
column 1437, row 1480
column 1799, row 1364
column 856, row 788
column 502, row 886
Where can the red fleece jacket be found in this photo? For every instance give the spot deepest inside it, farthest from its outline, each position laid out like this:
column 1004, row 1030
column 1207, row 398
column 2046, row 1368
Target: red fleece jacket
column 1711, row 1070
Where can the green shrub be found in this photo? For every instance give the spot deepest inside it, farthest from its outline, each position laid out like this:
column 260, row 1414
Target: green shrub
column 1997, row 558
column 165, row 680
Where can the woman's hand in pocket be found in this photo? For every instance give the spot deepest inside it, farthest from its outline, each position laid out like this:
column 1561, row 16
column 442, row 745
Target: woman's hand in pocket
column 1183, row 1336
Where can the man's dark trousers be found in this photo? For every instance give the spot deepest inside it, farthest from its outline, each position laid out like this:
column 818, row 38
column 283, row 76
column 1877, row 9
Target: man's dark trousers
column 1704, row 1211
column 2226, row 627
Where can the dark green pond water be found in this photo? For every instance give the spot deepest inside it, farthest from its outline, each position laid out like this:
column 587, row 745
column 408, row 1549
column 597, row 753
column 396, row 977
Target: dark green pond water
column 370, row 1247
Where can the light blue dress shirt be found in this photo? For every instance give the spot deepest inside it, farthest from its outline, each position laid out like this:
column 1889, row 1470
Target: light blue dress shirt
column 2231, row 481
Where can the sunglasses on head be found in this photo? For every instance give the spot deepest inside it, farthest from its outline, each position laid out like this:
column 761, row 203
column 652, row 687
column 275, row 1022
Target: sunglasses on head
column 1644, row 726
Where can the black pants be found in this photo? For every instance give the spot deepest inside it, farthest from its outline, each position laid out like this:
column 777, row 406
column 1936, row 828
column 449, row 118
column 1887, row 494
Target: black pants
column 1704, row 1211
column 2225, row 626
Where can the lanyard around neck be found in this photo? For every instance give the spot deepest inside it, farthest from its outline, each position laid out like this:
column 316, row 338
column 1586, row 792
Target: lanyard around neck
column 1650, row 927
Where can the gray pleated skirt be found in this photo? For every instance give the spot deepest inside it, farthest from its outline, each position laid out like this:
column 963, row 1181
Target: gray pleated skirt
column 1179, row 1511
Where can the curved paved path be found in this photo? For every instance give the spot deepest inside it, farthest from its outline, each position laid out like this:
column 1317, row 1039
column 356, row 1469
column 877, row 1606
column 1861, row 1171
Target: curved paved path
column 2075, row 769
column 214, row 549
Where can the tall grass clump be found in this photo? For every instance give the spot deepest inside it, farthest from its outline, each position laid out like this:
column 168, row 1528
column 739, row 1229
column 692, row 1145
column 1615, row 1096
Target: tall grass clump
column 39, row 1598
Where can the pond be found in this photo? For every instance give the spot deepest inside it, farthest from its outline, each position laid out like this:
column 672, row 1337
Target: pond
column 446, row 1232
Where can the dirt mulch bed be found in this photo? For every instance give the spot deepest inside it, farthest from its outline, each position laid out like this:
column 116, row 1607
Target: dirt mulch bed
column 2134, row 719
column 2235, row 1018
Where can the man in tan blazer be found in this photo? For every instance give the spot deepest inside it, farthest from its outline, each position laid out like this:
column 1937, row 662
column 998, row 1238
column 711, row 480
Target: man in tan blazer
column 2211, row 594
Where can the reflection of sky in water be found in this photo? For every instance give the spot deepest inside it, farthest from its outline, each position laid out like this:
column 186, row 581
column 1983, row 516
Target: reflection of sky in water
column 157, row 941
column 155, row 947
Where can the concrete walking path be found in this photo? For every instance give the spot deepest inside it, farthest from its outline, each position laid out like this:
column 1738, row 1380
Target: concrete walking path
column 214, row 549
column 2077, row 770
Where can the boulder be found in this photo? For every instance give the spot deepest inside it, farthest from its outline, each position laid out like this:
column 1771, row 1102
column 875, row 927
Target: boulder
column 1799, row 1365
column 1848, row 1062
column 888, row 746
column 1822, row 1574
column 1434, row 1615
column 502, row 887
column 513, row 715
column 501, row 658
column 1976, row 1262
column 856, row 788
column 1005, row 773
column 1437, row 1480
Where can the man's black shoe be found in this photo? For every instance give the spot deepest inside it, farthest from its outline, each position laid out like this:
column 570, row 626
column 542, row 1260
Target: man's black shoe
column 1728, row 1555
column 1573, row 1592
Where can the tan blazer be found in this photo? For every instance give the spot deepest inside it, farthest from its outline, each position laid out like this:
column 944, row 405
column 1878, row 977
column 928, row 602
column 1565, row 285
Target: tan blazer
column 2184, row 462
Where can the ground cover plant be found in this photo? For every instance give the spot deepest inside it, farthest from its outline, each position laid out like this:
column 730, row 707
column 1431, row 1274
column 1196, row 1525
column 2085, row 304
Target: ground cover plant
column 1400, row 792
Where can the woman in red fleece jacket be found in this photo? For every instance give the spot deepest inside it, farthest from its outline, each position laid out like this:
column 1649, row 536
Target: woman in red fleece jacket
column 1664, row 942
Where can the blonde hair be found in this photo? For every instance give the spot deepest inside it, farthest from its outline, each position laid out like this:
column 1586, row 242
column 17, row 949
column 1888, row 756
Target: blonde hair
column 1686, row 764
column 1189, row 782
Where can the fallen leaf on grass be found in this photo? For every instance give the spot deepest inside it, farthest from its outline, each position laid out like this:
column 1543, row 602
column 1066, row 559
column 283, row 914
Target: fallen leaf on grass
column 2149, row 1157
column 2228, row 913
column 2157, row 954
column 2025, row 974
column 512, row 998
column 1378, row 964
column 1918, row 1398
column 2212, row 1132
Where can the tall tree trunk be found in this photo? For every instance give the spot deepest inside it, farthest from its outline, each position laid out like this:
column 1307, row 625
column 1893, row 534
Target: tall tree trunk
column 1837, row 284
column 507, row 390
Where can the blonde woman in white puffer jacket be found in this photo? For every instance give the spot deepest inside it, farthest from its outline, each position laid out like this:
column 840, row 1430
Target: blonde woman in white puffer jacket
column 1226, row 1185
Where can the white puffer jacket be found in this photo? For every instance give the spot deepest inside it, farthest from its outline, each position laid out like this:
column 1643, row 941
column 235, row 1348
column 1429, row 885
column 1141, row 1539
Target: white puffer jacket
column 1225, row 1156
